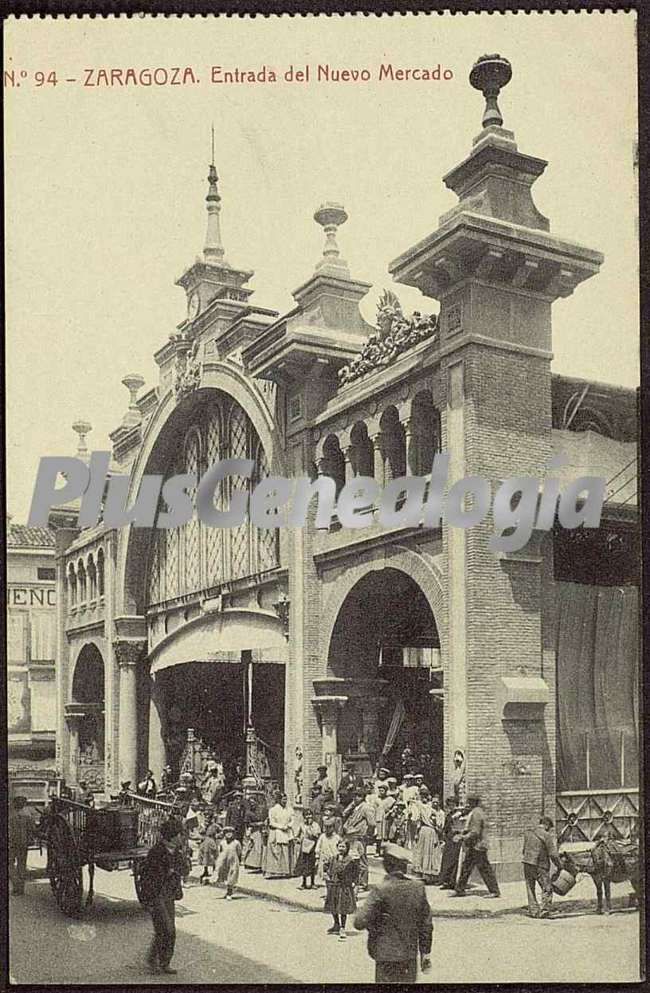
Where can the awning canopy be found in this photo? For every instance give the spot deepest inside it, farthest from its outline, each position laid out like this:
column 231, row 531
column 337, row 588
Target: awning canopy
column 222, row 637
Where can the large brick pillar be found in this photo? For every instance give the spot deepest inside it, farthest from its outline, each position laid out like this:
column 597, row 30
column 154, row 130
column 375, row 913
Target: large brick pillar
column 496, row 271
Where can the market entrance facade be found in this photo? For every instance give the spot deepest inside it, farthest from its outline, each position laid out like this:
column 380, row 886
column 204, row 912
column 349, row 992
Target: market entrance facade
column 331, row 644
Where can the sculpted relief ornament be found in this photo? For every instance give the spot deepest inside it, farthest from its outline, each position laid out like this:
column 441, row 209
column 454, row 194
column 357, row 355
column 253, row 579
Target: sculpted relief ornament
column 395, row 334
column 187, row 370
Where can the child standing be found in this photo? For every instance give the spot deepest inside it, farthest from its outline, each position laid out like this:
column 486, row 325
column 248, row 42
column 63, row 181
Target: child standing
column 208, row 851
column 228, row 861
column 341, row 877
column 308, row 835
column 326, row 850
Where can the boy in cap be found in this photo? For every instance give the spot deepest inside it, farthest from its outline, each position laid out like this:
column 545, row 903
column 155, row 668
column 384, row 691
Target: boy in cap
column 160, row 886
column 397, row 917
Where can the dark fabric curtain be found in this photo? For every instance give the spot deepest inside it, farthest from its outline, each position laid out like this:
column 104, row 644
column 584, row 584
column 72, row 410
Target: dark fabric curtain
column 597, row 686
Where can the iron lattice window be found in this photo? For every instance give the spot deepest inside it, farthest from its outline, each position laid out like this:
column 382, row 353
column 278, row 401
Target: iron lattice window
column 214, row 536
column 192, row 536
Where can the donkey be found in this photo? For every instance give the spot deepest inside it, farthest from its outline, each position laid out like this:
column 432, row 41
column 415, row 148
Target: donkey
column 608, row 862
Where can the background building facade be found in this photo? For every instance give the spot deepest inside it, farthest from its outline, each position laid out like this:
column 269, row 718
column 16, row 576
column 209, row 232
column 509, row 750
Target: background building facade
column 31, row 651
column 307, row 646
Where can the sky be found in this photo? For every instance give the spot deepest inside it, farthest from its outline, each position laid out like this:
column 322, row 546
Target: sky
column 105, row 187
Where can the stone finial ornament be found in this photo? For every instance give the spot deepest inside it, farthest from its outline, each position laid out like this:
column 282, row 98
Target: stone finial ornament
column 330, row 216
column 82, row 428
column 490, row 74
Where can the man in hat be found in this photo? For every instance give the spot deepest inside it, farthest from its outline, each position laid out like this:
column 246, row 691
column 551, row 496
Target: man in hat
column 397, row 917
column 21, row 832
column 358, row 824
column 383, row 804
column 475, row 850
column 236, row 814
column 540, row 849
column 87, row 795
column 148, row 786
column 321, row 777
column 381, row 777
column 167, row 778
column 125, row 789
column 348, row 784
column 160, row 886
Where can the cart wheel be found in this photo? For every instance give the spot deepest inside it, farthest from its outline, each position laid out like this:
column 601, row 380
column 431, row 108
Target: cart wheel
column 64, row 867
column 137, row 879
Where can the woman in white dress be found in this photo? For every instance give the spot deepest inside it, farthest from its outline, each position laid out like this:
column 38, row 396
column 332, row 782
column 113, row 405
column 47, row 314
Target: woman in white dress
column 279, row 856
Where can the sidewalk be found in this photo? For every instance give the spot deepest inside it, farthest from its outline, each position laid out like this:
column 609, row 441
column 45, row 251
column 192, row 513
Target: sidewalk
column 443, row 903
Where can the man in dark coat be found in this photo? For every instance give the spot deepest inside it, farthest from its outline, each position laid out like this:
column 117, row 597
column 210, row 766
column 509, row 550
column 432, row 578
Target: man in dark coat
column 22, row 829
column 397, row 917
column 475, row 850
column 451, row 850
column 349, row 784
column 540, row 849
column 160, row 886
column 236, row 814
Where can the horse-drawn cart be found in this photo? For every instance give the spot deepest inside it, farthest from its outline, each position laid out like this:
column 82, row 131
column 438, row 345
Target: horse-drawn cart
column 111, row 838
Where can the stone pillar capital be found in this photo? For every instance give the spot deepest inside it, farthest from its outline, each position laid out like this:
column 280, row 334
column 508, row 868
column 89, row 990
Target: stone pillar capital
column 128, row 652
column 328, row 707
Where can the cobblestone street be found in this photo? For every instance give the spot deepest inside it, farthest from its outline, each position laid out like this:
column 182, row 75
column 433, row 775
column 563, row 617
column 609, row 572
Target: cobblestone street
column 256, row 940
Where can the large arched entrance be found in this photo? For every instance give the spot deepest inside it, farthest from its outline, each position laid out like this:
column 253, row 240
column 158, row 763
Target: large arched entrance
column 216, row 642
column 85, row 717
column 384, row 657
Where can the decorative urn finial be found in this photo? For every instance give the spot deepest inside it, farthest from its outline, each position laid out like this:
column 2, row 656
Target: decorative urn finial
column 490, row 74
column 133, row 382
column 82, row 428
column 330, row 216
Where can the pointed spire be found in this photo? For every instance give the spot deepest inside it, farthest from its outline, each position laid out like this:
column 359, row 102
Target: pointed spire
column 213, row 249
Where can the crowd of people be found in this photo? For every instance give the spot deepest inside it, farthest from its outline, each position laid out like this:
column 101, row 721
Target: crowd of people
column 324, row 844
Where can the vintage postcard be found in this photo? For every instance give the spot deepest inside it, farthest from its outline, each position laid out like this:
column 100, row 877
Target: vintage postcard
column 323, row 538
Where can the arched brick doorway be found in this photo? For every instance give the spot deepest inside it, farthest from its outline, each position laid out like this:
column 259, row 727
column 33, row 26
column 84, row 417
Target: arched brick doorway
column 85, row 718
column 384, row 666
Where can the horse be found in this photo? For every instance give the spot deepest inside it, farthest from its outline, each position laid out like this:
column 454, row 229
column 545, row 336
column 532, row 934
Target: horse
column 607, row 862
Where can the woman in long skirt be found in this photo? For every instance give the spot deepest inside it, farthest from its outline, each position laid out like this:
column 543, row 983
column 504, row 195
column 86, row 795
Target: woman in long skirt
column 341, row 879
column 278, row 860
column 228, row 861
column 427, row 854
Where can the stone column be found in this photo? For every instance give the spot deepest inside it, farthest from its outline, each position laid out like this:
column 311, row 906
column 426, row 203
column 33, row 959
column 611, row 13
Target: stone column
column 73, row 721
column 157, row 756
column 406, row 425
column 328, row 709
column 349, row 470
column 128, row 655
column 378, row 459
